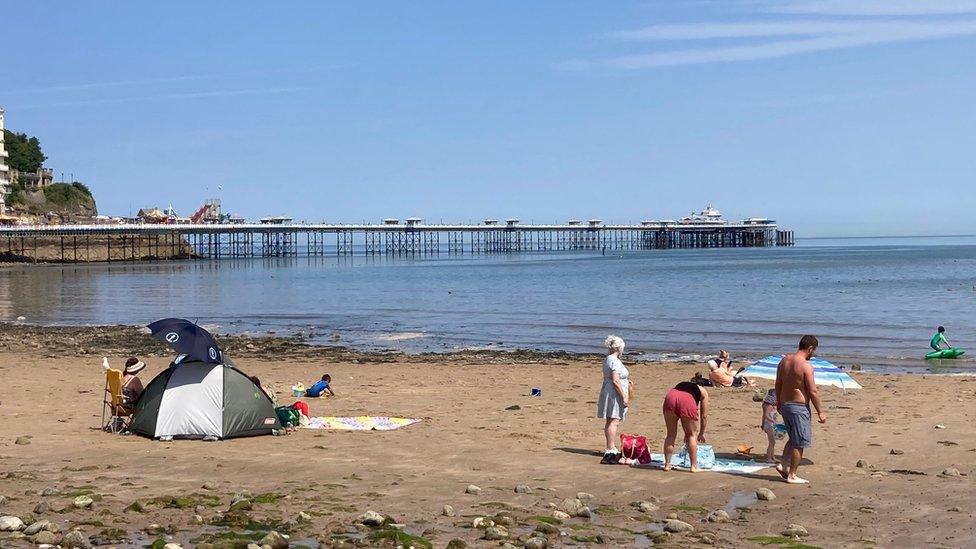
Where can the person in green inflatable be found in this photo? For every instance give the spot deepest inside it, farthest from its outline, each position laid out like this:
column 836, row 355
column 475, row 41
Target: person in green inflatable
column 938, row 339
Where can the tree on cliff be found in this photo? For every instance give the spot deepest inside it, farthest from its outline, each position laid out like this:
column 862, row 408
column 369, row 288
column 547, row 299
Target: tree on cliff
column 25, row 152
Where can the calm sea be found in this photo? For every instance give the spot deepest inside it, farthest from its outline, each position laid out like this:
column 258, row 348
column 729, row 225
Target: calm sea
column 875, row 302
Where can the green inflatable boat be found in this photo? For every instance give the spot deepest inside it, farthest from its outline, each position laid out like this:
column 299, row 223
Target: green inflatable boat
column 946, row 353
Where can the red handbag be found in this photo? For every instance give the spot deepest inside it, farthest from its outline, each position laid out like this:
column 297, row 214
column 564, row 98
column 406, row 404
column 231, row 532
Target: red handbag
column 634, row 447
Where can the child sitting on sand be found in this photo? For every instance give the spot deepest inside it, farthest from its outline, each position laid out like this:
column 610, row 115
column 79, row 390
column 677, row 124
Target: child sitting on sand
column 321, row 387
column 769, row 424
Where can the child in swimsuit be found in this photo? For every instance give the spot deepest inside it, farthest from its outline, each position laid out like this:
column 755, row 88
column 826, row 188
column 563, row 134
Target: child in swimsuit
column 769, row 424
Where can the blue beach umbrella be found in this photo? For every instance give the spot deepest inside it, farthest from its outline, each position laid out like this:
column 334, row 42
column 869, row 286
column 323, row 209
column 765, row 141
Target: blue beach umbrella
column 186, row 337
column 824, row 373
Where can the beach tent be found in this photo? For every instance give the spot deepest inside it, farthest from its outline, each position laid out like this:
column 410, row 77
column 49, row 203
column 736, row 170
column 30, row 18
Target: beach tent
column 193, row 399
column 824, row 373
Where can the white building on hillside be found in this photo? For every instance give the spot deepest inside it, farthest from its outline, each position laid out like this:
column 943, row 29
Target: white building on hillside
column 4, row 172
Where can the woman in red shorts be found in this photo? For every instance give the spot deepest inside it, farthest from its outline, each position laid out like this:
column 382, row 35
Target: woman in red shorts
column 683, row 403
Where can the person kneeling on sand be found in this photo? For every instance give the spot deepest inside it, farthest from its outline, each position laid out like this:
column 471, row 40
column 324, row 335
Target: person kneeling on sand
column 321, row 387
column 795, row 390
column 721, row 373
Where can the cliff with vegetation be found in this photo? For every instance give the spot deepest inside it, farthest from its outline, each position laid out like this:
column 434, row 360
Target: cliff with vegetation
column 57, row 202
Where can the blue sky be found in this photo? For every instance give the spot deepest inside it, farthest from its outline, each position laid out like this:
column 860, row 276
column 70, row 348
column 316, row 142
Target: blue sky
column 836, row 117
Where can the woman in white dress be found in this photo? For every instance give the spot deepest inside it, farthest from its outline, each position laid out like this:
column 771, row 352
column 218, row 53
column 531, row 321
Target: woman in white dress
column 614, row 396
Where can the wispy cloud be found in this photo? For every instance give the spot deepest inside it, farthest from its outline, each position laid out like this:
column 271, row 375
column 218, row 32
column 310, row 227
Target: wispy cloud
column 874, row 7
column 786, row 37
column 166, row 97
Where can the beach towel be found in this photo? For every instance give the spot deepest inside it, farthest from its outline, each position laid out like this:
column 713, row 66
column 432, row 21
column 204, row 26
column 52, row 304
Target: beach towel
column 361, row 423
column 734, row 466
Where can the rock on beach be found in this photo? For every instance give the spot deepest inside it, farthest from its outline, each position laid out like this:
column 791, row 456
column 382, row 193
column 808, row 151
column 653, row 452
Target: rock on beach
column 765, row 494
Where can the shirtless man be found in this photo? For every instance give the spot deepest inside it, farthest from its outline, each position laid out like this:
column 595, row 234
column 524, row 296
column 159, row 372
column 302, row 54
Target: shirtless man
column 795, row 390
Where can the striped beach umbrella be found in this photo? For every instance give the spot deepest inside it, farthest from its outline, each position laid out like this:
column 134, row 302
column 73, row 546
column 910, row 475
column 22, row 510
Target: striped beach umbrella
column 824, row 373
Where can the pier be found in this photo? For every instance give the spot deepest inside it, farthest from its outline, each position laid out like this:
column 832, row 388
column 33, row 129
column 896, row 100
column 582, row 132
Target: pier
column 134, row 242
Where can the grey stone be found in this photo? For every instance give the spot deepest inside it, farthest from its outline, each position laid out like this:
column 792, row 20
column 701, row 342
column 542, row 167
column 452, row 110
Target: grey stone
column 11, row 524
column 950, row 472
column 3, row 500
column 672, row 515
column 718, row 515
column 795, row 531
column 677, row 526
column 172, row 546
column 660, row 538
column 304, row 517
column 584, row 496
column 48, row 492
column 482, row 522
column 645, row 506
column 372, row 519
column 209, row 486
column 82, row 502
column 37, row 527
column 22, row 441
column 707, row 538
column 274, row 540
column 448, row 511
column 457, row 543
column 557, row 514
column 523, row 489
column 495, row 533
column 574, row 508
column 75, row 539
column 862, row 464
column 765, row 494
column 42, row 508
column 198, row 519
column 472, row 489
column 536, row 543
column 253, row 546
column 547, row 529
column 896, row 452
column 514, row 407
column 46, row 538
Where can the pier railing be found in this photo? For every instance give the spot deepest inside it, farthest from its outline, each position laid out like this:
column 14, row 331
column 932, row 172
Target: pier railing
column 80, row 243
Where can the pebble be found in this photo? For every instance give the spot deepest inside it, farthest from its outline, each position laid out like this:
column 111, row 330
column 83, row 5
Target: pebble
column 536, row 543
column 718, row 515
column 472, row 489
column 867, row 509
column 3, row 500
column 172, row 546
column 574, row 508
column 645, row 506
column 677, row 526
column 372, row 519
column 42, row 508
column 557, row 514
column 765, row 494
column 583, row 496
column 514, row 407
column 547, row 529
column 495, row 533
column 11, row 524
column 896, row 452
column 940, row 426
column 75, row 540
column 48, row 492
column 954, row 509
column 274, row 540
column 950, row 472
column 523, row 489
column 209, row 486
column 482, row 522
column 198, row 519
column 46, row 538
column 22, row 441
column 758, row 396
column 862, row 464
column 448, row 511
column 661, row 538
column 457, row 543
column 795, row 531
column 41, row 525
column 304, row 517
column 82, row 502
column 707, row 538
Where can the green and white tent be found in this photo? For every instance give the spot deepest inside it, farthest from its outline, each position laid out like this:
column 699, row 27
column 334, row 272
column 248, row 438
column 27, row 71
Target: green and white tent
column 193, row 399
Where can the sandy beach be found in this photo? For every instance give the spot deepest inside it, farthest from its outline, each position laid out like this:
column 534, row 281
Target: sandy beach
column 480, row 427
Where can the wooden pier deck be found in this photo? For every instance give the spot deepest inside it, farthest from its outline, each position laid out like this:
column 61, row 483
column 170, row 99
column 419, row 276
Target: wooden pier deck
column 83, row 243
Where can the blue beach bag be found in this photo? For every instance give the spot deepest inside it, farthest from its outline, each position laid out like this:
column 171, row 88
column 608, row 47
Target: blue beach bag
column 706, row 457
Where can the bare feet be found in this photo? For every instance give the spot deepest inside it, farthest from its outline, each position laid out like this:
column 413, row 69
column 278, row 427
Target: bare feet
column 667, row 466
column 693, row 470
column 797, row 480
column 782, row 472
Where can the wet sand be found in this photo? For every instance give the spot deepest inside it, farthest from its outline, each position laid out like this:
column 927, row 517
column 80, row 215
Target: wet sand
column 469, row 435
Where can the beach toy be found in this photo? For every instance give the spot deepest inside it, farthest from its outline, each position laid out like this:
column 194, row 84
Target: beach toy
column 780, row 429
column 536, row 392
column 743, row 449
column 954, row 352
column 298, row 390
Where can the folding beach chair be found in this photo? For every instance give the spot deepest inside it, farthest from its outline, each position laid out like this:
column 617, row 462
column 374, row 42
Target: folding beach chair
column 118, row 414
